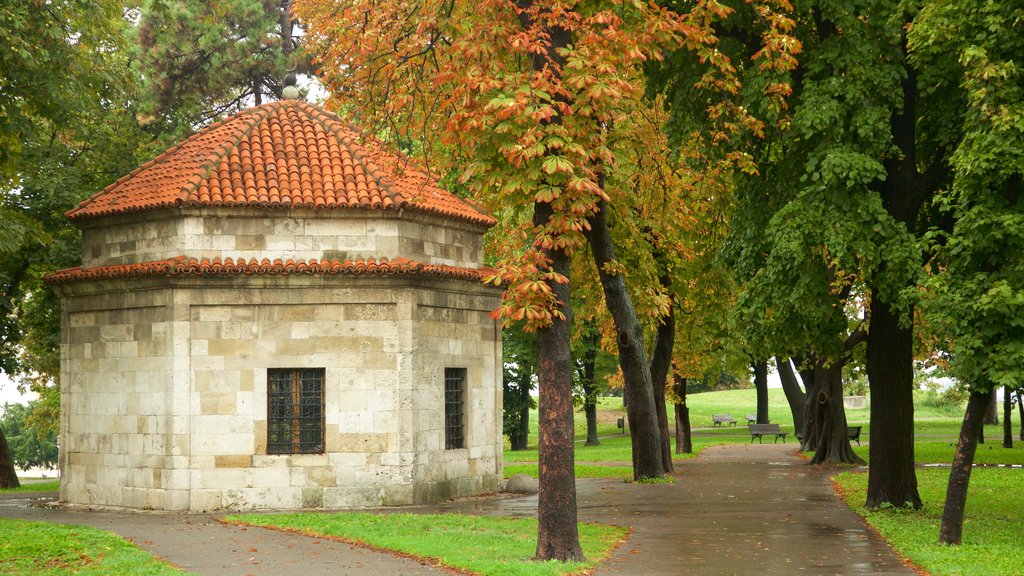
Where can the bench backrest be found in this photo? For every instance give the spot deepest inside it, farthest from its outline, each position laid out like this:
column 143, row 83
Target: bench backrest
column 764, row 428
column 725, row 417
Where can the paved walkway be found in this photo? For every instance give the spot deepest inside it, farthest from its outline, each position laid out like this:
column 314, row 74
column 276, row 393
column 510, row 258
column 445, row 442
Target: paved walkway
column 736, row 510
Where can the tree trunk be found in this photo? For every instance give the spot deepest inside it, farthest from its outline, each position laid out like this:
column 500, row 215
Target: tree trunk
column 760, row 369
column 951, row 528
column 523, row 436
column 992, row 412
column 641, row 408
column 832, row 445
column 794, row 395
column 1007, row 418
column 811, row 431
column 557, row 531
column 661, row 362
column 890, row 353
column 8, row 475
column 593, row 339
column 1020, row 411
column 684, row 441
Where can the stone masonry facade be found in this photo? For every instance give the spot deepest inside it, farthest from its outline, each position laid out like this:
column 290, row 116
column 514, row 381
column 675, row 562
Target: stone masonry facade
column 164, row 382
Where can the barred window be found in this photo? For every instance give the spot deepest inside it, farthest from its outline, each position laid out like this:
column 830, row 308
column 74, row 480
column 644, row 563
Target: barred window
column 454, row 389
column 295, row 411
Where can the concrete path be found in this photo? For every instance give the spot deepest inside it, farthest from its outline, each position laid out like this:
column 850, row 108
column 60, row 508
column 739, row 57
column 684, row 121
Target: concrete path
column 736, row 510
column 200, row 544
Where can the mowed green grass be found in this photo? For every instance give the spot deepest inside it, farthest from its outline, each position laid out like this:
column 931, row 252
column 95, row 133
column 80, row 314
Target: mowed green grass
column 43, row 549
column 34, row 487
column 480, row 544
column 993, row 537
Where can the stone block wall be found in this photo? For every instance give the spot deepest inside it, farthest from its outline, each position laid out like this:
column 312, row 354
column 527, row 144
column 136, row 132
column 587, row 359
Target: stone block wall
column 165, row 391
column 122, row 441
column 299, row 234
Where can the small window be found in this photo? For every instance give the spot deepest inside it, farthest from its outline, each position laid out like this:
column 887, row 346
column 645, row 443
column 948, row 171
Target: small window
column 295, row 411
column 454, row 389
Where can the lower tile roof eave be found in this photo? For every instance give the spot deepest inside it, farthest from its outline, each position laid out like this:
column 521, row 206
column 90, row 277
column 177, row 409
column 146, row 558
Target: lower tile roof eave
column 192, row 272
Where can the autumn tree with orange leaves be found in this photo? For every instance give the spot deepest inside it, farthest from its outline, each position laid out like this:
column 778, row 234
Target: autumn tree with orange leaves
column 524, row 98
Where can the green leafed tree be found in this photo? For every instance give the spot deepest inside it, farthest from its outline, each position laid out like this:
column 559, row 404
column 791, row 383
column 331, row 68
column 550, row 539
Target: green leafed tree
column 63, row 84
column 30, row 446
column 975, row 298
column 202, row 59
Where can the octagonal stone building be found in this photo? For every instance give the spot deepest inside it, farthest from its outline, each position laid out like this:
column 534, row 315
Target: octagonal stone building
column 278, row 313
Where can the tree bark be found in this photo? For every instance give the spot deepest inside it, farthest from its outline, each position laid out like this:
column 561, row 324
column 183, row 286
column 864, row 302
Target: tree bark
column 593, row 339
column 641, row 408
column 1007, row 418
column 684, row 441
column 951, row 528
column 760, row 368
column 890, row 353
column 794, row 395
column 1020, row 411
column 557, row 531
column 661, row 362
column 8, row 475
column 832, row 444
column 810, row 431
column 992, row 412
column 523, row 435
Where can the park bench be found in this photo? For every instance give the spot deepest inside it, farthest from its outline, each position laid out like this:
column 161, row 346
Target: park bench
column 751, row 418
column 760, row 430
column 719, row 419
column 852, row 432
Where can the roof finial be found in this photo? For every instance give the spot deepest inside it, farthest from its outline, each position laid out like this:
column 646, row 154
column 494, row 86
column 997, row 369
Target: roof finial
column 290, row 92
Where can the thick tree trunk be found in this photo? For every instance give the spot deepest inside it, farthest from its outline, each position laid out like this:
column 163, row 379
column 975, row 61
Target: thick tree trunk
column 890, row 352
column 641, row 408
column 951, row 528
column 760, row 369
column 794, row 395
column 8, row 475
column 809, row 440
column 992, row 412
column 1007, row 418
column 557, row 531
column 684, row 441
column 833, row 445
column 661, row 362
column 593, row 339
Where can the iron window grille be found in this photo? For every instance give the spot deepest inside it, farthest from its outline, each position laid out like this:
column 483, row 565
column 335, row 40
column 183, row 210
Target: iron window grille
column 295, row 411
column 454, row 390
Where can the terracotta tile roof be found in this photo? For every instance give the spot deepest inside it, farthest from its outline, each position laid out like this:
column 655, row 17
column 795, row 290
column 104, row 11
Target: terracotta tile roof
column 283, row 154
column 186, row 266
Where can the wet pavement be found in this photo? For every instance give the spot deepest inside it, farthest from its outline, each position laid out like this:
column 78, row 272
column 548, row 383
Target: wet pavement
column 736, row 510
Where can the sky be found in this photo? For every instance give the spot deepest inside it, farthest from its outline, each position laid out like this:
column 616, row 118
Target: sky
column 9, row 393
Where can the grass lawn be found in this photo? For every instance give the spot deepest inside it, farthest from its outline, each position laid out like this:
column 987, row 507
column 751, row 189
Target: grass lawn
column 582, row 471
column 481, row 544
column 993, row 535
column 34, row 487
column 618, row 449
column 927, row 451
column 43, row 549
